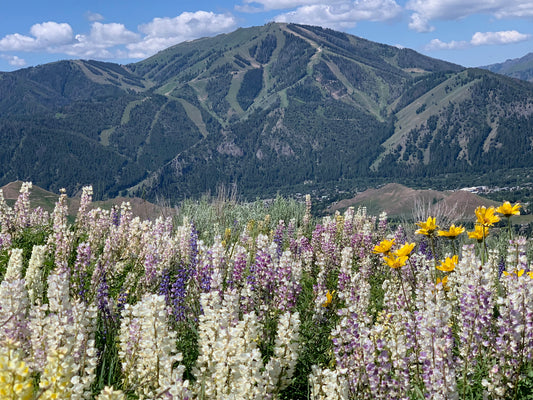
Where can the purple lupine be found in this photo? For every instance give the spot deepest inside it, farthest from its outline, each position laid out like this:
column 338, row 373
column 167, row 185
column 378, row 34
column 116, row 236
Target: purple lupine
column 115, row 216
column 204, row 272
column 425, row 249
column 400, row 235
column 178, row 291
column 151, row 262
column 164, row 286
column 122, row 300
column 278, row 237
column 264, row 275
column 79, row 274
column 104, row 302
column 475, row 331
column 287, row 282
column 193, row 245
column 239, row 266
column 5, row 241
column 501, row 267
column 513, row 347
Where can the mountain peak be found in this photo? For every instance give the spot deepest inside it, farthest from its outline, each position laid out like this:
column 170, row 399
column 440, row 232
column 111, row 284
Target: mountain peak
column 279, row 107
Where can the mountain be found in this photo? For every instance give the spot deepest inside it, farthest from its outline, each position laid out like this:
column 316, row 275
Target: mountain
column 520, row 68
column 278, row 108
column 402, row 202
column 46, row 200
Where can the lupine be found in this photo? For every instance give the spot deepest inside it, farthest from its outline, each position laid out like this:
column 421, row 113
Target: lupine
column 15, row 375
column 148, row 352
column 14, row 302
column 328, row 384
column 444, row 333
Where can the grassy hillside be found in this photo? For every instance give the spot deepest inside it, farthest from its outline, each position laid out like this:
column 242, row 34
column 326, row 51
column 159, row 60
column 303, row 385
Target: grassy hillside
column 277, row 108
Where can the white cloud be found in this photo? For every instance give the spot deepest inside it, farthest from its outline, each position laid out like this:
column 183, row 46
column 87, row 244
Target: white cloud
column 479, row 39
column 92, row 16
column 427, row 10
column 111, row 34
column 18, row 42
column 15, row 61
column 502, row 37
column 343, row 14
column 164, row 32
column 267, row 5
column 420, row 24
column 437, row 44
column 43, row 36
column 50, row 33
column 114, row 40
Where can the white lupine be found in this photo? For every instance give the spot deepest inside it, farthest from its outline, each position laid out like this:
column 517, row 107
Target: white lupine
column 230, row 364
column 34, row 274
column 22, row 206
column 13, row 311
column 280, row 368
column 435, row 341
column 83, row 351
column 328, row 384
column 7, row 216
column 85, row 202
column 14, row 266
column 346, row 271
column 38, row 327
column 108, row 393
column 58, row 372
column 147, row 362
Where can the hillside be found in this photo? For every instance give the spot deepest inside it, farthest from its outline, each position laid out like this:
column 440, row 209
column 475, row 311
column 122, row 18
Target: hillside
column 402, row 202
column 46, row 200
column 520, row 68
column 278, row 108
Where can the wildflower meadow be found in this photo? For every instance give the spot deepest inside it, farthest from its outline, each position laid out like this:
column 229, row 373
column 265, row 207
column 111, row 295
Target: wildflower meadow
column 268, row 303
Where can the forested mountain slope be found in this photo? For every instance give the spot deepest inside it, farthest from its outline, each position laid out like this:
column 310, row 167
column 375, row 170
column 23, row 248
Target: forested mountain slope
column 280, row 107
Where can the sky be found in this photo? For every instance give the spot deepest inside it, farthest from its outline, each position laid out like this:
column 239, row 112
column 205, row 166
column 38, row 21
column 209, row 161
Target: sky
column 467, row 32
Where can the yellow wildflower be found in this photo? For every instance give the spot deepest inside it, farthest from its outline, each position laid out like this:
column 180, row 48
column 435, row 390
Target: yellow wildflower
column 384, row 246
column 479, row 232
column 453, row 232
column 518, row 273
column 485, row 216
column 405, row 250
column 443, row 282
column 428, row 227
column 329, row 298
column 507, row 210
column 394, row 261
column 449, row 264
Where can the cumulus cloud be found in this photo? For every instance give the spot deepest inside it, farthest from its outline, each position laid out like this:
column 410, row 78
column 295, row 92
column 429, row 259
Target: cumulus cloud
column 114, row 40
column 343, row 14
column 109, row 35
column 502, row 37
column 14, row 61
column 44, row 36
column 161, row 33
column 420, row 24
column 479, row 39
column 427, row 10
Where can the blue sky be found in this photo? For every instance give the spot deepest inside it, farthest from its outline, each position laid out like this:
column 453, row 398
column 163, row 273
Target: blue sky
column 467, row 32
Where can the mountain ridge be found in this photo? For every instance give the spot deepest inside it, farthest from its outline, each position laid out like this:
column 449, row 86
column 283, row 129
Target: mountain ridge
column 280, row 107
column 519, row 68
